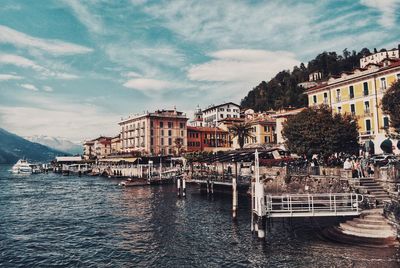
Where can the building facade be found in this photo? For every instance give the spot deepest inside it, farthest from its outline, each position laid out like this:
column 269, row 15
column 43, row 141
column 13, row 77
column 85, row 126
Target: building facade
column 116, row 144
column 213, row 114
column 88, row 150
column 162, row 132
column 360, row 93
column 207, row 139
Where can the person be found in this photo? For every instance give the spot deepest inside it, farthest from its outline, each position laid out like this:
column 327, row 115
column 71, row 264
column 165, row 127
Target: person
column 347, row 165
column 370, row 170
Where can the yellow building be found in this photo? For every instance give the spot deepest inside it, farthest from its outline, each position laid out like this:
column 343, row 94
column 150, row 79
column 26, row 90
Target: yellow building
column 359, row 93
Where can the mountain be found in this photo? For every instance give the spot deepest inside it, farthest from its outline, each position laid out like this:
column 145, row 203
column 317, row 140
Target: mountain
column 283, row 91
column 60, row 144
column 14, row 147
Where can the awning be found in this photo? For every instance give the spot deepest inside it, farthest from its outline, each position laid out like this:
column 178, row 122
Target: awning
column 117, row 160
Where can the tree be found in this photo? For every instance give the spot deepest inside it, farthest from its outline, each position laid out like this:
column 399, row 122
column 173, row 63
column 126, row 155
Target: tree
column 391, row 105
column 241, row 131
column 178, row 145
column 317, row 131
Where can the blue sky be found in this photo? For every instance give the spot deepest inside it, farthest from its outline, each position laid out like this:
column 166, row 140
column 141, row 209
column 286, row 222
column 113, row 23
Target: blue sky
column 74, row 68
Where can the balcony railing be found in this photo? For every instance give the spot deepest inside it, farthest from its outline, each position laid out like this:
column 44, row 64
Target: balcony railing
column 367, row 133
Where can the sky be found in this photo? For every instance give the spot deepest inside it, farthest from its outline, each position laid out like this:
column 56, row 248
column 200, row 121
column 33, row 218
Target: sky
column 74, row 68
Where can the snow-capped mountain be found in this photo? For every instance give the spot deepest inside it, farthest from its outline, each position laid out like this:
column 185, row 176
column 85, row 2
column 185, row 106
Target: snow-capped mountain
column 58, row 143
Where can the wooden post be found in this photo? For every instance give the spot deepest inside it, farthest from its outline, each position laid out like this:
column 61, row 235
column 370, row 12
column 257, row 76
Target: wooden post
column 212, row 187
column 178, row 182
column 183, row 187
column 208, row 186
column 234, row 197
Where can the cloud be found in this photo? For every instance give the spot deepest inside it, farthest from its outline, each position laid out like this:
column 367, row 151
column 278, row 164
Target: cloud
column 48, row 89
column 5, row 77
column 19, row 61
column 132, row 74
column 29, row 87
column 82, row 13
column 146, row 84
column 53, row 117
column 387, row 8
column 56, row 47
column 245, row 65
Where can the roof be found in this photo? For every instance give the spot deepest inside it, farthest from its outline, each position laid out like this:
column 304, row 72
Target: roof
column 69, row 158
column 206, row 129
column 217, row 106
column 288, row 113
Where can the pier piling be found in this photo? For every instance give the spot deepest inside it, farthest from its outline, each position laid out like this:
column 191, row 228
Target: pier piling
column 178, row 182
column 183, row 187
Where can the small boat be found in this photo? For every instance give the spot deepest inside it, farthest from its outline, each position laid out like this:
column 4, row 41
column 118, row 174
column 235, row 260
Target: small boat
column 134, row 182
column 22, row 167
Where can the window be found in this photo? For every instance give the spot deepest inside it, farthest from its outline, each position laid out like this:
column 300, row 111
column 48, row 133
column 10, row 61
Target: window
column 339, row 110
column 351, row 92
column 386, row 122
column 151, row 141
column 151, row 132
column 181, row 125
column 162, row 132
column 365, row 86
column 267, row 139
column 266, row 128
column 383, row 83
column 169, row 132
column 366, row 106
column 221, row 115
column 161, row 124
column 368, row 125
column 169, row 141
column 151, row 123
column 398, row 76
column 325, row 98
column 221, row 109
column 353, row 109
column 315, row 99
column 228, row 115
column 170, row 124
column 162, row 141
column 228, row 110
column 338, row 94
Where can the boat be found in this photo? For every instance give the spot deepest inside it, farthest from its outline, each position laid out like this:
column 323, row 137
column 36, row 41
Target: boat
column 134, row 182
column 22, row 167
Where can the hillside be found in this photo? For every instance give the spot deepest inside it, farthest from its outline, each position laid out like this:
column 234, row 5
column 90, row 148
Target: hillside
column 57, row 143
column 13, row 147
column 282, row 91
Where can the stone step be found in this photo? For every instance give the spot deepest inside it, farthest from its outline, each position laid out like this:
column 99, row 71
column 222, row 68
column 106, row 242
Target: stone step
column 369, row 221
column 335, row 234
column 370, row 184
column 368, row 226
column 356, row 231
column 374, row 217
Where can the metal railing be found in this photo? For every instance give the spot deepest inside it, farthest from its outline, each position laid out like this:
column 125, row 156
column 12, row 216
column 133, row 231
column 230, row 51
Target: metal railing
column 309, row 205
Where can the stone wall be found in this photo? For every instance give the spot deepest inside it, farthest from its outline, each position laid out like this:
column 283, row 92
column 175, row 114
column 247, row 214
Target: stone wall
column 391, row 211
column 277, row 181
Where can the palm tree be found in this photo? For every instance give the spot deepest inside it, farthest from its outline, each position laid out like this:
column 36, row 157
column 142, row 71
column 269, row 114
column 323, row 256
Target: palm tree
column 241, row 131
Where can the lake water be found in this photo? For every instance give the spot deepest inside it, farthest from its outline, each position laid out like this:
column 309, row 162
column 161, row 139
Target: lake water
column 51, row 220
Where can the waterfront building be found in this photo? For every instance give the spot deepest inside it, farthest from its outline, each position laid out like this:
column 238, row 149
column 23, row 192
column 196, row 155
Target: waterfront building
column 359, row 93
column 116, row 144
column 88, row 150
column 225, row 124
column 162, row 132
column 207, row 139
column 280, row 118
column 215, row 113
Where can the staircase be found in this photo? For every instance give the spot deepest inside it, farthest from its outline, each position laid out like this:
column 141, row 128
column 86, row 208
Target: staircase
column 370, row 229
column 375, row 189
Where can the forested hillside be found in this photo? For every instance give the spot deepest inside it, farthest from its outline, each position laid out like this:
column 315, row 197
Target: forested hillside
column 282, row 91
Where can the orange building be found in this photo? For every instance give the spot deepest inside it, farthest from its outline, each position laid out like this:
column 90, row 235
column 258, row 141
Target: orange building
column 207, row 139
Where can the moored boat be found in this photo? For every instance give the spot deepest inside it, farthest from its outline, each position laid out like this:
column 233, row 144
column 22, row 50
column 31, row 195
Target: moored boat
column 22, row 167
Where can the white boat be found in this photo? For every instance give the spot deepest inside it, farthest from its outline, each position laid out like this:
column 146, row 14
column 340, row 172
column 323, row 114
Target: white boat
column 22, row 167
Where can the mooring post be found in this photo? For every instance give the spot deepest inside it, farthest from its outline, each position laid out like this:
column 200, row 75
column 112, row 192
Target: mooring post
column 212, row 187
column 178, row 183
column 234, row 198
column 252, row 205
column 208, row 186
column 183, row 187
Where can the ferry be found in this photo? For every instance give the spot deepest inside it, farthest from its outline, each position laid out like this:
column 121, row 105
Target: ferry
column 22, row 167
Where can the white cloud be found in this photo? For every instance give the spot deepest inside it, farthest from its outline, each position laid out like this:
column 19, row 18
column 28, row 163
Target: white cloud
column 48, row 89
column 132, row 74
column 56, row 47
column 29, row 87
column 387, row 8
column 19, row 61
column 5, row 77
column 243, row 65
column 52, row 117
column 147, row 84
column 82, row 13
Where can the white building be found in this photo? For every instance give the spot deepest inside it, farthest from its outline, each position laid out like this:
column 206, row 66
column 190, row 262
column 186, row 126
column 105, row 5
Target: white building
column 379, row 57
column 215, row 113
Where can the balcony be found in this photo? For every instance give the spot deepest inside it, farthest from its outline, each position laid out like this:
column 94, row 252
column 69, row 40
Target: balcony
column 366, row 134
column 367, row 112
column 338, row 99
